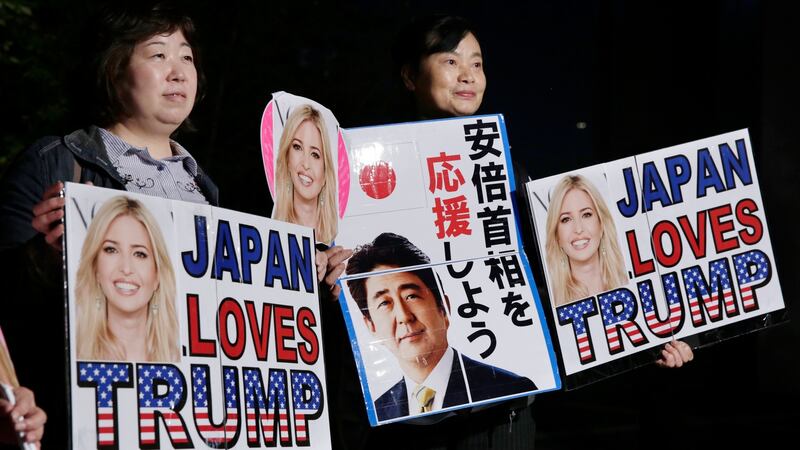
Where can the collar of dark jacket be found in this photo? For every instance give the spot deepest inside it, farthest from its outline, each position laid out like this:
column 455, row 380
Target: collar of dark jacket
column 87, row 146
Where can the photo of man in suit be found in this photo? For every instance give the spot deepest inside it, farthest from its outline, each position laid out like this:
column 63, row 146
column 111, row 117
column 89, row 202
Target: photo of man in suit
column 407, row 312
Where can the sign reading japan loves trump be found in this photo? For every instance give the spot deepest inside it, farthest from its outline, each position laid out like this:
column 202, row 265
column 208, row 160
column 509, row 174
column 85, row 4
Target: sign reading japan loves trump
column 438, row 296
column 190, row 326
column 660, row 246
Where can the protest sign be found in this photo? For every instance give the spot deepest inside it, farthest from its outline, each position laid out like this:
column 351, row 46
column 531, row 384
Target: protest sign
column 438, row 295
column 190, row 326
column 660, row 246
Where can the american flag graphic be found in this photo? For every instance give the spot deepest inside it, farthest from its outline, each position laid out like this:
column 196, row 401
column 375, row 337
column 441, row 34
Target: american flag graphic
column 614, row 322
column 722, row 286
column 752, row 270
column 662, row 328
column 709, row 293
column 307, row 402
column 105, row 378
column 161, row 392
column 215, row 435
column 576, row 313
column 266, row 407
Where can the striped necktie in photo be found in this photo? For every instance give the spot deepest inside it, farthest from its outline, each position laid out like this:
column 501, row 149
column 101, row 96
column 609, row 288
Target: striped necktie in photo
column 424, row 397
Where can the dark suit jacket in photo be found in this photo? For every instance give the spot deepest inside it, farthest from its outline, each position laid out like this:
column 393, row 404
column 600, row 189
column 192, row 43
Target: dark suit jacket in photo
column 485, row 382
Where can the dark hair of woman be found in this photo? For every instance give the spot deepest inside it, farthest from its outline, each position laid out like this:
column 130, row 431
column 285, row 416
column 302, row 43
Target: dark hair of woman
column 119, row 29
column 432, row 34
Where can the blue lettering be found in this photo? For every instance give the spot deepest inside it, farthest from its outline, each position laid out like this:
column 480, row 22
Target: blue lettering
column 250, row 245
column 302, row 263
column 197, row 267
column 628, row 208
column 654, row 189
column 276, row 264
column 708, row 174
column 679, row 171
column 225, row 259
column 731, row 164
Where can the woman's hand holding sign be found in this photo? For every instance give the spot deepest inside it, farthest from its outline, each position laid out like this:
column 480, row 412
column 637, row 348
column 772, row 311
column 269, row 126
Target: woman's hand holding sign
column 675, row 354
column 21, row 419
column 336, row 257
column 47, row 215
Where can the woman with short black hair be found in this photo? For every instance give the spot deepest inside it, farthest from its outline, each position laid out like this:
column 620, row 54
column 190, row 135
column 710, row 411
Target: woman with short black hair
column 440, row 62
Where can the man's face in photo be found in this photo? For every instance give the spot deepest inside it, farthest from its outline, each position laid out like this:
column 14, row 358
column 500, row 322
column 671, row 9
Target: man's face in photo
column 405, row 317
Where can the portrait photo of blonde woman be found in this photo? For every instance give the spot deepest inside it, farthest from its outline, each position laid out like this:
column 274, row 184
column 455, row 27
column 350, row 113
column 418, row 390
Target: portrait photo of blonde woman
column 583, row 254
column 125, row 287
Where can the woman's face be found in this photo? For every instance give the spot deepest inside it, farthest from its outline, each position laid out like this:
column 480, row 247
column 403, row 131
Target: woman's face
column 126, row 267
column 579, row 229
column 306, row 161
column 161, row 83
column 451, row 83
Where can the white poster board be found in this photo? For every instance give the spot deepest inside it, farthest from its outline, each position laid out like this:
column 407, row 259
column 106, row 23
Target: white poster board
column 190, row 326
column 439, row 290
column 694, row 252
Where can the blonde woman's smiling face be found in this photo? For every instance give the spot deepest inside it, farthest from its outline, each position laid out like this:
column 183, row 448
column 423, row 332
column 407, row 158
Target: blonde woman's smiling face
column 579, row 227
column 306, row 161
column 126, row 267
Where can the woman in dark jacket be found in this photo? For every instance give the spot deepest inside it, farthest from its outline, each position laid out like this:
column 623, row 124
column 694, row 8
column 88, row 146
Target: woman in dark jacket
column 148, row 80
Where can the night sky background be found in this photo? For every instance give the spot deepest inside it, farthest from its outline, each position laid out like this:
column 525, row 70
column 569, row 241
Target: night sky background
column 579, row 83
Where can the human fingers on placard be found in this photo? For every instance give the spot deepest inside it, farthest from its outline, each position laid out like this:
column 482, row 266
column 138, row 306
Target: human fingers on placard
column 665, row 360
column 333, row 274
column 337, row 255
column 670, row 357
column 28, row 418
column 31, row 428
column 53, row 238
column 49, row 209
column 321, row 260
column 24, row 403
column 685, row 351
column 34, row 425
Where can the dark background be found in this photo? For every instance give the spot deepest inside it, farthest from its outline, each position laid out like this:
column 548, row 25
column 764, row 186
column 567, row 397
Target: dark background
column 579, row 83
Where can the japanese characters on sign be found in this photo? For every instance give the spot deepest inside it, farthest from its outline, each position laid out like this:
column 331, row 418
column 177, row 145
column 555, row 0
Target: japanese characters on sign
column 445, row 224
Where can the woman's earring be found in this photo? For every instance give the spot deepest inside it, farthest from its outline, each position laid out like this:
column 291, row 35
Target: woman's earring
column 97, row 303
column 154, row 306
column 602, row 250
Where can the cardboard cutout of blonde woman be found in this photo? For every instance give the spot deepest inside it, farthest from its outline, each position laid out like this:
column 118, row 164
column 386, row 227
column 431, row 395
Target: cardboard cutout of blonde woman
column 303, row 150
column 670, row 244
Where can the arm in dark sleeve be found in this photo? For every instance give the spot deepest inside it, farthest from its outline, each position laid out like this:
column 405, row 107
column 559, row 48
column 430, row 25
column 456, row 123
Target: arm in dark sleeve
column 22, row 187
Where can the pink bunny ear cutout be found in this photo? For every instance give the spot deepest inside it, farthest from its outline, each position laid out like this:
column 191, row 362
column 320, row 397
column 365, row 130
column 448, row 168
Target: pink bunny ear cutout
column 267, row 150
column 344, row 175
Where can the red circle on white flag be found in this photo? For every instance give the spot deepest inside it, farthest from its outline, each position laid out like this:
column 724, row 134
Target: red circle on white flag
column 377, row 180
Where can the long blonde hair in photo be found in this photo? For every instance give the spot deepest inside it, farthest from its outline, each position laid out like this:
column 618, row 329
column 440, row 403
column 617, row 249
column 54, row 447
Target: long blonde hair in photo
column 95, row 340
column 564, row 286
column 7, row 373
column 327, row 221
